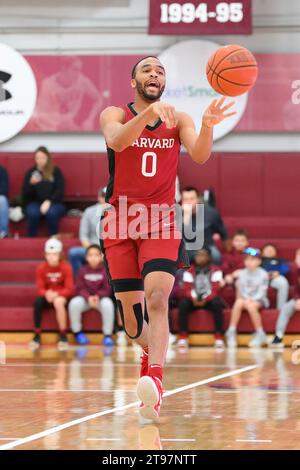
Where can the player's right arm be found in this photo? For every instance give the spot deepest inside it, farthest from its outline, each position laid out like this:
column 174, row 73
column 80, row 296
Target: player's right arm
column 119, row 136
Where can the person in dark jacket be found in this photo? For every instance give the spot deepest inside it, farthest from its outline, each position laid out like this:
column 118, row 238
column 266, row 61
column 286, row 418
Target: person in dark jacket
column 213, row 223
column 4, row 206
column 92, row 292
column 43, row 192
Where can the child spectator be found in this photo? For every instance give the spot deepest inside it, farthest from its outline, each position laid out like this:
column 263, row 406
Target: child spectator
column 277, row 269
column 200, row 289
column 251, row 296
column 54, row 280
column 92, row 291
column 290, row 307
column 233, row 261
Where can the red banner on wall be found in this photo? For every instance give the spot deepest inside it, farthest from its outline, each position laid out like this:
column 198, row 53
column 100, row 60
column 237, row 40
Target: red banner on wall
column 73, row 90
column 196, row 17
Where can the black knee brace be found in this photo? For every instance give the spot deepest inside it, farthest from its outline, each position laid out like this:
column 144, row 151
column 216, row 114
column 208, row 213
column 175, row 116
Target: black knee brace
column 138, row 313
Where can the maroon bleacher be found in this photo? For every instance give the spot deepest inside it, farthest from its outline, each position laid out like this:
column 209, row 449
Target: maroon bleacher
column 258, row 192
column 18, row 262
column 19, row 259
column 247, row 185
column 201, row 321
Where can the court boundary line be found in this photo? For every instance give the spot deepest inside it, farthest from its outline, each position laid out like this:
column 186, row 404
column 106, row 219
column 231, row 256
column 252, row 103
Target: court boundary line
column 69, row 424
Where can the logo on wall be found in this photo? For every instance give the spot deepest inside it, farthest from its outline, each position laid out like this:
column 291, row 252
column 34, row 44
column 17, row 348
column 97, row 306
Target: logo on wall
column 18, row 92
column 187, row 86
column 4, row 94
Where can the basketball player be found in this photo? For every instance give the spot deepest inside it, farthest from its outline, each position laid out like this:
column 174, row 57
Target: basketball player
column 143, row 143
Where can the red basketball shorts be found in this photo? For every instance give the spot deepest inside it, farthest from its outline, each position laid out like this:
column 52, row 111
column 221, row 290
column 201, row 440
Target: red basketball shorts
column 130, row 253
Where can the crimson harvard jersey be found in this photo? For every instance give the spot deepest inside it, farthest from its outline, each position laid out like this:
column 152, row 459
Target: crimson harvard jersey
column 145, row 171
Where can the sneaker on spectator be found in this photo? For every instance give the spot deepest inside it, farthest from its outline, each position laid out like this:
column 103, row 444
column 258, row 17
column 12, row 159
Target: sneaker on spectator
column 35, row 343
column 121, row 338
column 259, row 339
column 231, row 338
column 276, row 343
column 62, row 344
column 81, row 338
column 219, row 342
column 108, row 341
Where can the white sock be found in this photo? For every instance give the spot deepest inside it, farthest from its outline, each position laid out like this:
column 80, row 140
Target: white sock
column 232, row 328
column 260, row 330
column 279, row 334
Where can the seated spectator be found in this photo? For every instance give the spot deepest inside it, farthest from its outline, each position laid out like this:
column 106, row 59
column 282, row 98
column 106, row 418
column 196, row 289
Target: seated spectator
column 277, row 269
column 54, row 280
column 87, row 232
column 4, row 205
column 289, row 308
column 201, row 286
column 251, row 296
column 213, row 223
column 233, row 261
column 92, row 291
column 43, row 192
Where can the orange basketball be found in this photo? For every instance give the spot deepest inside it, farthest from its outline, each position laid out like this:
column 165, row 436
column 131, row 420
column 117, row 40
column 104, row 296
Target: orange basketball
column 232, row 70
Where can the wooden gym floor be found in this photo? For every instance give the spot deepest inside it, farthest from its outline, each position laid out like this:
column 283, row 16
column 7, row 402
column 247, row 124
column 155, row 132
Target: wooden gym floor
column 85, row 399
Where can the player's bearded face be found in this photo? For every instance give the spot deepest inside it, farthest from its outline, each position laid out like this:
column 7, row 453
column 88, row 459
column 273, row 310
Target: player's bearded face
column 150, row 90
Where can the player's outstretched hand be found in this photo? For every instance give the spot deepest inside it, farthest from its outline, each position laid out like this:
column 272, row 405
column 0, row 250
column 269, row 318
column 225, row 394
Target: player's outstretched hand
column 166, row 112
column 216, row 112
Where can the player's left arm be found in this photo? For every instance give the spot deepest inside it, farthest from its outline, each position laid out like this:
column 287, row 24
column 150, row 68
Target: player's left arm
column 199, row 146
